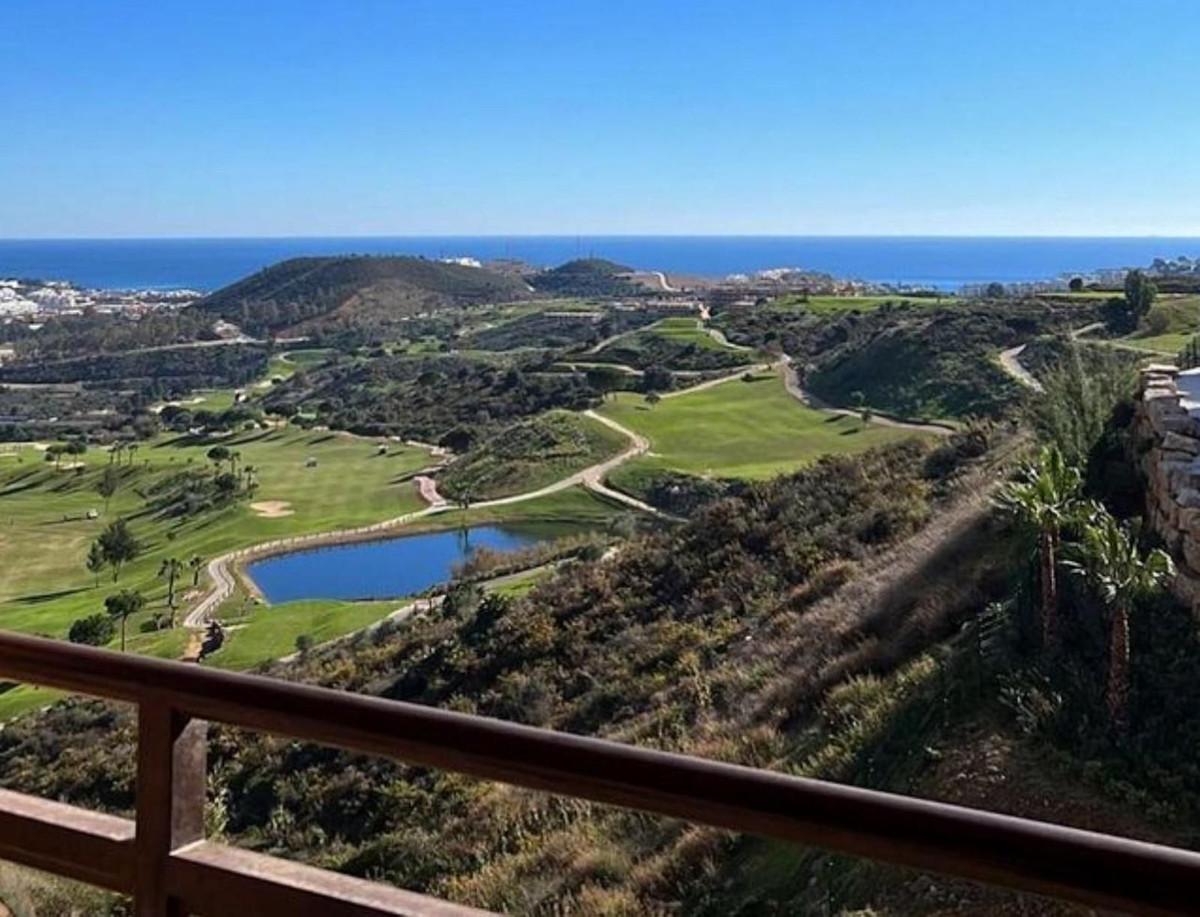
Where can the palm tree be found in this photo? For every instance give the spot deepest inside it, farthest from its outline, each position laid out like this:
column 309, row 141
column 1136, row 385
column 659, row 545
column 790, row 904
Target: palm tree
column 122, row 605
column 196, row 564
column 96, row 561
column 171, row 568
column 1045, row 498
column 1107, row 555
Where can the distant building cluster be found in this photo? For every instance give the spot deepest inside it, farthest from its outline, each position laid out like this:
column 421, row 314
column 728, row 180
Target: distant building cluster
column 748, row 289
column 37, row 300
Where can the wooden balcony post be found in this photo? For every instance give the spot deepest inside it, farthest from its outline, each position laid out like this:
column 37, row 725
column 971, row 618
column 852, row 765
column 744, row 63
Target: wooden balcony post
column 170, row 800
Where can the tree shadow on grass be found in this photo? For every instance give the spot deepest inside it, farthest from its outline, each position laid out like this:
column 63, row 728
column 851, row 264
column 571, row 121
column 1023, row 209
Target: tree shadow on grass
column 28, row 485
column 252, row 437
column 39, row 598
column 183, row 439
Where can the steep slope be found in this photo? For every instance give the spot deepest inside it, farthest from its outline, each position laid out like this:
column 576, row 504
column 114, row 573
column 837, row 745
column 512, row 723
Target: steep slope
column 719, row 637
column 305, row 293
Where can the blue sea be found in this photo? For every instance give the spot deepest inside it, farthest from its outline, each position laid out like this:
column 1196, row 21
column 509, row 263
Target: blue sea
column 941, row 262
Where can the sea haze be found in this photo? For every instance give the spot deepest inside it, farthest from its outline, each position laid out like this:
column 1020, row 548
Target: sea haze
column 943, row 262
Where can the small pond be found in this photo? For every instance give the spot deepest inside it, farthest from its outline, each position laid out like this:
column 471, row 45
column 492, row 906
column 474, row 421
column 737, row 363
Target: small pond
column 389, row 568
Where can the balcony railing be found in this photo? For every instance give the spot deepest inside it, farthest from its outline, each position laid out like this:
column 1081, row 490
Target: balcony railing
column 164, row 862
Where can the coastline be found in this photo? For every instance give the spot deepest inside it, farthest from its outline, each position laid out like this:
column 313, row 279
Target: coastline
column 937, row 262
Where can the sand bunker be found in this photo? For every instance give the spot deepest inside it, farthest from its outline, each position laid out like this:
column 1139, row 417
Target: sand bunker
column 272, row 509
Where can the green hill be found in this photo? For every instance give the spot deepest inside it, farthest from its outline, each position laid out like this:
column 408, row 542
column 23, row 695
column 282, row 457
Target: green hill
column 305, row 293
column 585, row 277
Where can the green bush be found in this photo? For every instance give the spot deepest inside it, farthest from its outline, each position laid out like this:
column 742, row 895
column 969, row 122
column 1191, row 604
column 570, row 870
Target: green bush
column 95, row 630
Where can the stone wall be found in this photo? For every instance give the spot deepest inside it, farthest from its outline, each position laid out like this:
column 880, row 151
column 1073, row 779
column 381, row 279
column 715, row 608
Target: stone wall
column 1167, row 446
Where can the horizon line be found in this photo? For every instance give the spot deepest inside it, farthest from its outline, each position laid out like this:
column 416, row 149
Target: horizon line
column 594, row 235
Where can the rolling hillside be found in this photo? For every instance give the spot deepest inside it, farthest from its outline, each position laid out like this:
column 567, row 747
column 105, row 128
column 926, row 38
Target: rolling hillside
column 302, row 294
column 585, row 277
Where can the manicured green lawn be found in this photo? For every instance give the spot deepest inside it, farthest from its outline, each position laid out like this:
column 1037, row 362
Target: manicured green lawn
column 266, row 632
column 1176, row 319
column 685, row 331
column 1162, row 343
column 44, row 535
column 737, row 430
column 519, row 584
column 1084, row 295
column 216, row 399
column 307, row 357
column 824, row 305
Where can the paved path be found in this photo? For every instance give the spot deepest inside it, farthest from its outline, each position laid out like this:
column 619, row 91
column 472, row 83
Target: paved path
column 596, row 348
column 428, row 489
column 662, row 279
column 1010, row 360
column 720, row 380
column 719, row 336
column 1086, row 329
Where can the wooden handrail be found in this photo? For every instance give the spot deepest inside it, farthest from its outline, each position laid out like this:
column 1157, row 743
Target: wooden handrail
column 170, row 869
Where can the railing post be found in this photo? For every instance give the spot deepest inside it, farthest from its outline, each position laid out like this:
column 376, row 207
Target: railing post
column 170, row 800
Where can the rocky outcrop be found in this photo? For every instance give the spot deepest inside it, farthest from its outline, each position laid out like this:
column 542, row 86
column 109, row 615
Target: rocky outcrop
column 1167, row 443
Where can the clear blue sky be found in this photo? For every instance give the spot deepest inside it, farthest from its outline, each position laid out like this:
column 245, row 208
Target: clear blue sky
column 310, row 117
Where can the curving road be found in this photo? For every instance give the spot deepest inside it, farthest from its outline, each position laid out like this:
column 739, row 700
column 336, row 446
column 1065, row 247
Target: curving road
column 1010, row 361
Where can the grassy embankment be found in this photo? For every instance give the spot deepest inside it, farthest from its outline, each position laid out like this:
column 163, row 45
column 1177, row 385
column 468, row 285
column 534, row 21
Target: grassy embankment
column 1171, row 323
column 281, row 366
column 735, row 430
column 829, row 305
column 685, row 331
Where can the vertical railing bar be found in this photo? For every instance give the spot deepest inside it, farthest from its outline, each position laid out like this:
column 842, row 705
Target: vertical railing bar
column 170, row 800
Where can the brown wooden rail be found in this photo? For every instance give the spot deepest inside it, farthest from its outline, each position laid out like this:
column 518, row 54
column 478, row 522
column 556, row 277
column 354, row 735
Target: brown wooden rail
column 163, row 860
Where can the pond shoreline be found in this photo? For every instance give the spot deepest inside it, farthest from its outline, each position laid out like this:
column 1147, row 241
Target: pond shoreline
column 402, row 564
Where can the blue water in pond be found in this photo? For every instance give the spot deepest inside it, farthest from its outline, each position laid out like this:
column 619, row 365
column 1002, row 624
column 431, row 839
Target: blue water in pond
column 380, row 569
column 942, row 262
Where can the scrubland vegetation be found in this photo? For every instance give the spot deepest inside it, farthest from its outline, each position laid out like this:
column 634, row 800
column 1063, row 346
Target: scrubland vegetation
column 428, row 397
column 530, row 454
column 304, row 294
column 914, row 360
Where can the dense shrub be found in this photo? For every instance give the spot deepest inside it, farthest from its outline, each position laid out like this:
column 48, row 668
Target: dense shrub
column 95, row 630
